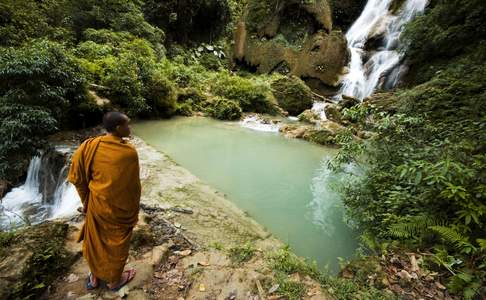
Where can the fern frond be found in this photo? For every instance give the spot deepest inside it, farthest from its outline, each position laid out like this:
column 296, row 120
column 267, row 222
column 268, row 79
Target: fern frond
column 482, row 244
column 413, row 226
column 451, row 236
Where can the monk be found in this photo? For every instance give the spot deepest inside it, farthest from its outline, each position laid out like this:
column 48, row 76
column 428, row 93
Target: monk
column 105, row 172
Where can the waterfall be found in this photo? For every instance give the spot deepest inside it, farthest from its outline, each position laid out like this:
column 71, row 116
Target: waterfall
column 27, row 204
column 382, row 67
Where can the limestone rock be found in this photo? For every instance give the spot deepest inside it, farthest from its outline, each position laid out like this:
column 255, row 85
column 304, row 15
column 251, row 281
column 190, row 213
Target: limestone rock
column 309, row 116
column 291, row 37
column 333, row 112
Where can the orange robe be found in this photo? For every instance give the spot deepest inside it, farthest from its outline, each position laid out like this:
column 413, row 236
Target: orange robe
column 105, row 172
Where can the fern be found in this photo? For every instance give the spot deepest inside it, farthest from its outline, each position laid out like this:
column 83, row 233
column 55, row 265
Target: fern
column 482, row 244
column 413, row 226
column 454, row 238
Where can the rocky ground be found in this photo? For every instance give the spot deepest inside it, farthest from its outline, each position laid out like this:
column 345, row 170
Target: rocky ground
column 191, row 243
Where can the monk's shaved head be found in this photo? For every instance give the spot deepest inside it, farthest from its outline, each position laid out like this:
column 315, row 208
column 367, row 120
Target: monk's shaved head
column 113, row 119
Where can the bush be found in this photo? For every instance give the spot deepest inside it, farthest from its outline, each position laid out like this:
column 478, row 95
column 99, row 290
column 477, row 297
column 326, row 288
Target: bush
column 224, row 109
column 41, row 89
column 21, row 21
column 251, row 94
column 448, row 29
column 161, row 94
column 117, row 15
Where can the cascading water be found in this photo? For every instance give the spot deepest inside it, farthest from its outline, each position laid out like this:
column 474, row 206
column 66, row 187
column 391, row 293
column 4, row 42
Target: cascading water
column 382, row 67
column 25, row 204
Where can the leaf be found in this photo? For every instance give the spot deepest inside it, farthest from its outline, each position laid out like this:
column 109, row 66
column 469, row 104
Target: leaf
column 39, row 285
column 418, row 177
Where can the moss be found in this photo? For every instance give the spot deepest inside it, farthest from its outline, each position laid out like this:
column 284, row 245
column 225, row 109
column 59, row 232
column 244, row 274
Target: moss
column 292, row 94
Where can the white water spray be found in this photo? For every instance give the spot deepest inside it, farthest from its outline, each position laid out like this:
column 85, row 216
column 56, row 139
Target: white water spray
column 24, row 204
column 376, row 20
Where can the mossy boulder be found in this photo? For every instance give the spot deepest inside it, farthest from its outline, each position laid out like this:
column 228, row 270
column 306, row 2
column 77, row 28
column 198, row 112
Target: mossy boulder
column 31, row 258
column 325, row 134
column 292, row 94
column 308, row 116
column 333, row 112
column 224, row 109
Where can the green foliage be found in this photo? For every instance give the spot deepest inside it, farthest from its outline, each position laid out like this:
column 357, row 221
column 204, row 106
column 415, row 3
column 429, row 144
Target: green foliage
column 117, row 15
column 189, row 20
column 224, row 109
column 424, row 169
column 27, row 19
column 252, row 94
column 292, row 94
column 241, row 254
column 284, row 261
column 161, row 94
column 448, row 29
column 41, row 89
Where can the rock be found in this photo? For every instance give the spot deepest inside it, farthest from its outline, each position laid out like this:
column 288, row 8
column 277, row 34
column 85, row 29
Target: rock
column 348, row 101
column 185, row 252
column 203, row 263
column 333, row 112
column 274, row 288
column 439, row 285
column 309, row 116
column 325, row 134
column 232, row 295
column 299, row 40
column 294, row 131
column 23, row 259
column 292, row 94
column 87, row 297
column 124, row 291
column 4, row 187
column 72, row 278
column 184, row 210
column 404, row 275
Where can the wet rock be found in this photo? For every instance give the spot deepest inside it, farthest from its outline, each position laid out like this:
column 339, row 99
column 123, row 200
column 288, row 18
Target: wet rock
column 309, row 116
column 333, row 112
column 4, row 188
column 348, row 101
column 51, row 172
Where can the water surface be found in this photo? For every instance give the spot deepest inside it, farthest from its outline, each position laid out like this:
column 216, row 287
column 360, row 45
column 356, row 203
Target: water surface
column 282, row 183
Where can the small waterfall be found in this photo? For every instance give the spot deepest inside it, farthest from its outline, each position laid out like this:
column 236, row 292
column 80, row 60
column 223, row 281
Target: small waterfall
column 370, row 70
column 255, row 123
column 28, row 202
